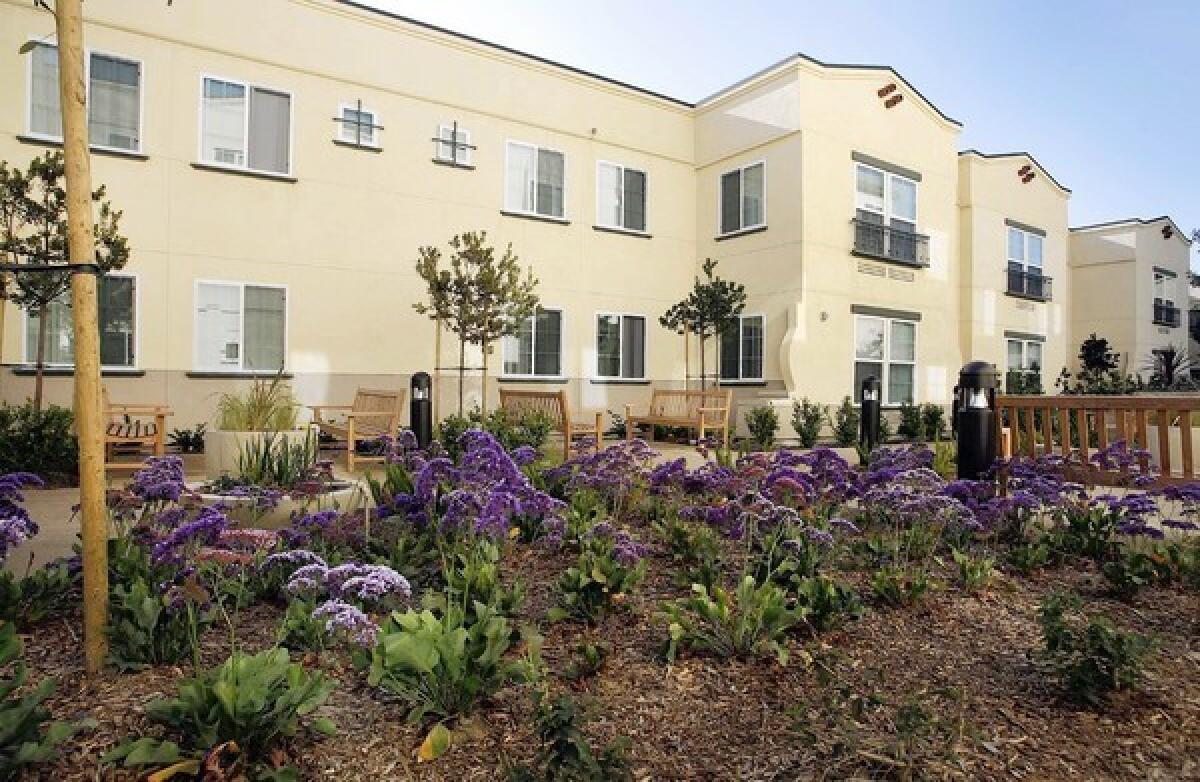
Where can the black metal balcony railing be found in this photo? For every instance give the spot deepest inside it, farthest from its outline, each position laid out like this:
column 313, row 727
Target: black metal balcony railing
column 1165, row 313
column 890, row 244
column 1028, row 285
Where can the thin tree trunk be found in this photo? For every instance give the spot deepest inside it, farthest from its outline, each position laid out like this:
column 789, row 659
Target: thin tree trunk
column 41, row 359
column 436, row 391
column 703, row 370
column 483, row 385
column 462, row 371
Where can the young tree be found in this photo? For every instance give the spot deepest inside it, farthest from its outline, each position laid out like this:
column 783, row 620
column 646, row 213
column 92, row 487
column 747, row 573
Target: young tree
column 33, row 231
column 478, row 296
column 706, row 311
column 1095, row 355
column 1166, row 366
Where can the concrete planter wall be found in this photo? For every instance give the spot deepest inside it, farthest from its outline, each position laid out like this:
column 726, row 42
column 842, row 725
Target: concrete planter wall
column 222, row 449
column 342, row 496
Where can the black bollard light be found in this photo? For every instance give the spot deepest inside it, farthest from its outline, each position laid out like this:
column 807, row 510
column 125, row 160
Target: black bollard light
column 974, row 417
column 420, row 411
column 868, row 427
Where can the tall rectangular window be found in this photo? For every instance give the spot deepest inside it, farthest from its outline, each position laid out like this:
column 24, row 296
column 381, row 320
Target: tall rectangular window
column 453, row 146
column 114, row 99
column 536, row 349
column 886, row 348
column 118, row 313
column 535, row 180
column 742, row 349
column 621, row 346
column 620, row 197
column 1024, row 251
column 240, row 327
column 743, row 200
column 884, row 198
column 243, row 126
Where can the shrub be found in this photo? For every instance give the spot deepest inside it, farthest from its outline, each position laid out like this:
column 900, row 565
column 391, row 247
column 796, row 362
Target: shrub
column 267, row 406
column 1135, row 567
column 827, row 603
column 471, row 571
column 1093, row 658
column 845, row 423
column 933, row 421
column 512, row 429
column 974, row 573
column 41, row 442
column 807, row 419
column 763, row 423
column 587, row 661
column 148, row 627
column 910, row 427
column 693, row 548
column 25, row 738
column 188, row 440
column 566, row 754
column 751, row 621
column 1028, row 557
column 271, row 460
column 28, row 600
column 609, row 568
column 900, row 586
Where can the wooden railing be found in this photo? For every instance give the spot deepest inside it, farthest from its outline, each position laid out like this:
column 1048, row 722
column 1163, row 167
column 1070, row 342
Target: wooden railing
column 1079, row 426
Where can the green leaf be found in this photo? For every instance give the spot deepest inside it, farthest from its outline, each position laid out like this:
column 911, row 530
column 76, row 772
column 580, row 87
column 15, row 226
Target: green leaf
column 324, row 726
column 435, row 744
column 146, row 751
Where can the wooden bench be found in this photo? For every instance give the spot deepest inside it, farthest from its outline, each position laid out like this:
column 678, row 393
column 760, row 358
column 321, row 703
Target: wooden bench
column 133, row 428
column 701, row 411
column 374, row 414
column 554, row 405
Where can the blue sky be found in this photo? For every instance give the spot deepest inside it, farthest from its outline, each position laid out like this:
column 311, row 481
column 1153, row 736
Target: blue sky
column 1101, row 93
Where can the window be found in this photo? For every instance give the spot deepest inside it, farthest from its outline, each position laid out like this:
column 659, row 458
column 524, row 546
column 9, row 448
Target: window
column 1160, row 287
column 358, row 125
column 536, row 178
column 886, row 348
column 453, row 146
column 1024, row 251
column 240, row 327
column 620, row 197
column 118, row 310
column 114, row 99
column 621, row 346
column 536, row 349
column 1024, row 365
column 743, row 198
column 244, row 126
column 742, row 349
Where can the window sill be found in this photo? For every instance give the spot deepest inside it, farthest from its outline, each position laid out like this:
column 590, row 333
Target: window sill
column 891, row 260
column 26, row 370
column 243, row 172
column 1027, row 297
column 363, row 147
column 107, row 151
column 453, row 164
column 618, row 381
column 544, row 380
column 740, row 232
column 536, row 217
column 744, row 383
column 219, row 375
column 623, row 231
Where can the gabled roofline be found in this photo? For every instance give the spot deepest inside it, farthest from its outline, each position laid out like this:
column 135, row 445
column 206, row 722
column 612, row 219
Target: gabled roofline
column 1031, row 158
column 1135, row 221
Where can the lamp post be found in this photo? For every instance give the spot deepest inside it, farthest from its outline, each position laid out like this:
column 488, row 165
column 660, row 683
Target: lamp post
column 974, row 417
column 868, row 429
column 420, row 408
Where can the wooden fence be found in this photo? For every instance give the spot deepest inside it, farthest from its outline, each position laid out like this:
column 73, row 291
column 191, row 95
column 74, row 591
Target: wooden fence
column 1166, row 426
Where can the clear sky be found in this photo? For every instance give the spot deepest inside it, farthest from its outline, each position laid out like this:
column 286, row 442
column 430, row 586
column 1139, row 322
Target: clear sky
column 1102, row 93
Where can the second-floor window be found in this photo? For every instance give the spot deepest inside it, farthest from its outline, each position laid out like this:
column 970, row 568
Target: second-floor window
column 536, row 181
column 453, row 145
column 885, row 198
column 1165, row 313
column 1024, row 251
column 114, row 99
column 742, row 349
column 536, row 349
column 621, row 346
column 886, row 348
column 620, row 197
column 118, row 321
column 743, row 199
column 358, row 125
column 240, row 327
column 244, row 126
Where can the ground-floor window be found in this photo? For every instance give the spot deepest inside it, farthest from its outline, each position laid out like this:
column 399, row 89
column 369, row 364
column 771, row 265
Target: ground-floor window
column 240, row 327
column 742, row 348
column 536, row 349
column 886, row 348
column 621, row 346
column 1024, row 365
column 118, row 311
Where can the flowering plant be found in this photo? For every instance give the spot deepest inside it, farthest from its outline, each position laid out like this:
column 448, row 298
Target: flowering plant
column 610, row 566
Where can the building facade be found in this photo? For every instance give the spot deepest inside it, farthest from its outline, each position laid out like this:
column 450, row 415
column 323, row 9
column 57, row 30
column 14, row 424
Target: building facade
column 275, row 196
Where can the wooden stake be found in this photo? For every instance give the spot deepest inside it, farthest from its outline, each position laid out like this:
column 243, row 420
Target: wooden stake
column 68, row 16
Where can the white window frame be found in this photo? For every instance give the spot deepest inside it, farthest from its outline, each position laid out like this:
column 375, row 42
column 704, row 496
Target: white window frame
column 1161, row 281
column 444, row 130
column 241, row 285
column 741, row 332
column 621, row 345
column 1026, row 241
column 742, row 199
column 887, row 360
column 342, row 127
column 247, row 86
column 1024, row 343
column 562, row 330
column 888, row 214
column 87, row 81
column 622, row 168
column 508, row 145
column 137, row 332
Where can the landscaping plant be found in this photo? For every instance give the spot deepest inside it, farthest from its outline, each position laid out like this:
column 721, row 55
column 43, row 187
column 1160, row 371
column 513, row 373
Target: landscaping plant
column 807, row 420
column 751, row 621
column 565, row 754
column 933, row 421
column 974, row 573
column 1093, row 658
column 826, row 603
column 41, row 442
column 763, row 423
column 911, row 427
column 268, row 406
column 845, row 423
column 609, row 568
column 710, row 308
column 188, row 440
column 27, row 736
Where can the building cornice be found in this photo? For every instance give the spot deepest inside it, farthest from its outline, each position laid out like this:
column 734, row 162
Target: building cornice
column 1004, row 155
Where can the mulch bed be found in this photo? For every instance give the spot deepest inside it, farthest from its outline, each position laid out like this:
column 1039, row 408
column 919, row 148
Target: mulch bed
column 969, row 665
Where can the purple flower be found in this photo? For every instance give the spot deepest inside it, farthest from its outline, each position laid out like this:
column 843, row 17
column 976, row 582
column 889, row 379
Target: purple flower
column 524, row 454
column 204, row 530
column 16, row 526
column 347, row 620
column 161, row 479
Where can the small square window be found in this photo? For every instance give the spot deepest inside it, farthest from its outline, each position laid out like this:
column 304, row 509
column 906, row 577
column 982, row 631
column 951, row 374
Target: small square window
column 358, row 125
column 453, row 145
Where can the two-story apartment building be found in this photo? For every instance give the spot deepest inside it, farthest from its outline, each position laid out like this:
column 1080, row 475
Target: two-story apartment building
column 275, row 196
column 1131, row 284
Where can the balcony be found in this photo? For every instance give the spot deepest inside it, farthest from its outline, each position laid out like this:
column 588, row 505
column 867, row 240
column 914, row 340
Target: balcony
column 873, row 240
column 1166, row 313
column 1028, row 285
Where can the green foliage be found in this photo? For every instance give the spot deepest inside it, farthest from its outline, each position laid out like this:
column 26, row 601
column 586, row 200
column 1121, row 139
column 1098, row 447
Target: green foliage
column 511, row 429
column 1095, row 355
column 807, row 419
column 1139, row 565
column 933, row 421
column 1092, row 657
column 694, row 549
column 25, row 738
column 147, row 627
column 39, row 441
column 1168, row 366
column 974, row 573
column 845, row 423
column 708, row 309
column 28, row 600
column 911, row 427
column 1023, row 381
column 597, row 583
column 749, row 622
column 587, row 661
column 826, row 603
column 268, row 406
column 945, row 459
column 272, row 460
column 566, row 755
column 188, row 440
column 299, row 631
column 900, row 586
column 1029, row 557
column 763, row 423
column 471, row 571
column 440, row 666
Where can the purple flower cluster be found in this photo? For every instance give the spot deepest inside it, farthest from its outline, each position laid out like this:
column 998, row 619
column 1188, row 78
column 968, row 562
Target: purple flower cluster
column 351, row 581
column 204, row 530
column 350, row 621
column 1119, row 457
column 161, row 479
column 16, row 526
column 626, row 549
column 613, row 472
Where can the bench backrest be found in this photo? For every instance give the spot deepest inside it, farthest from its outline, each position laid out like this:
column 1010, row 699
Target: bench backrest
column 672, row 403
column 552, row 403
column 390, row 402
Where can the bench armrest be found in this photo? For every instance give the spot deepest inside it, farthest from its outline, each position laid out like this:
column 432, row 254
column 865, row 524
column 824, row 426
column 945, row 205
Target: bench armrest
column 364, row 414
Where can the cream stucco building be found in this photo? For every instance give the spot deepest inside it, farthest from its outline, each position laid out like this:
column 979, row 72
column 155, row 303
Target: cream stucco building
column 275, row 197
